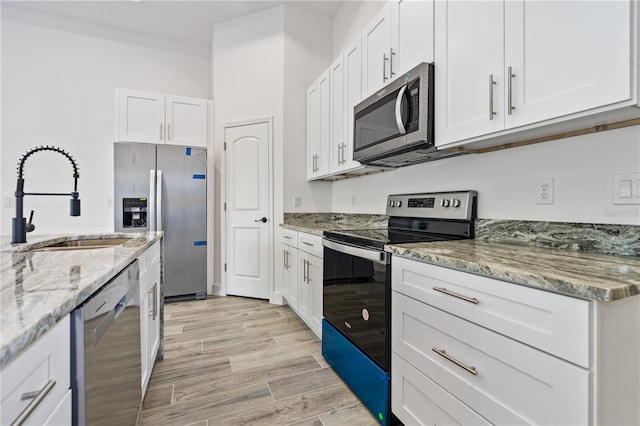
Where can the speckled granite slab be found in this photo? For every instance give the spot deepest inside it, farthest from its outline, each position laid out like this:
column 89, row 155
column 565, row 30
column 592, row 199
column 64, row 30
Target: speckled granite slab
column 581, row 274
column 316, row 223
column 39, row 288
column 621, row 240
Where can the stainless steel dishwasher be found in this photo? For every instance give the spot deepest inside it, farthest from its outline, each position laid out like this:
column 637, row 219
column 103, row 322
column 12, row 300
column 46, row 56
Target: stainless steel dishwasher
column 105, row 353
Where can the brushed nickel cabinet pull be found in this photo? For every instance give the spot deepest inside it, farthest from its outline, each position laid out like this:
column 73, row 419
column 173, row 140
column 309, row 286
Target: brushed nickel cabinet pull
column 161, row 134
column 443, row 354
column 307, row 243
column 510, row 76
column 491, row 84
column 391, row 55
column 37, row 396
column 384, row 67
column 457, row 295
column 169, row 131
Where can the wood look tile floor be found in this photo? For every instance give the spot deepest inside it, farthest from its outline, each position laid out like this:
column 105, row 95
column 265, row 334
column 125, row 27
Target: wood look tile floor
column 238, row 361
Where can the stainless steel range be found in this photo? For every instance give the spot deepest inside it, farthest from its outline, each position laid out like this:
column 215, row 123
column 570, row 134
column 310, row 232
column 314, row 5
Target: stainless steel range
column 356, row 330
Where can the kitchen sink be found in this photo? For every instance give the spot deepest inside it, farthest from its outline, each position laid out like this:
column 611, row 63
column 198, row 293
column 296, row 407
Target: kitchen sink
column 84, row 244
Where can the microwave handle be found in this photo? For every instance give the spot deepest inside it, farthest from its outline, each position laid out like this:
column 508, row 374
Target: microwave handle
column 399, row 118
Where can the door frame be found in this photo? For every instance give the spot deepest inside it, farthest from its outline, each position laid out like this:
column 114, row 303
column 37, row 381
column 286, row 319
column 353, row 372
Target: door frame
column 223, row 198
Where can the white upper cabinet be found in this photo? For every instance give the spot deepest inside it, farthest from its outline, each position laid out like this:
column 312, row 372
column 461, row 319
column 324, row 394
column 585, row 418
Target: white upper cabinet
column 140, row 116
column 377, row 52
column 149, row 117
column 396, row 40
column 337, row 115
column 318, row 127
column 468, row 55
column 566, row 57
column 186, row 121
column 412, row 33
column 352, row 95
column 506, row 67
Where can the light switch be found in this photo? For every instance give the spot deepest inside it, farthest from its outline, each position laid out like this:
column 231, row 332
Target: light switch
column 626, row 188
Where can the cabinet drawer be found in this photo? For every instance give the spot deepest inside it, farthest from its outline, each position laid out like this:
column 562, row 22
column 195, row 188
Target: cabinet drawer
column 504, row 381
column 290, row 237
column 416, row 399
column 148, row 260
column 310, row 243
column 554, row 323
column 44, row 369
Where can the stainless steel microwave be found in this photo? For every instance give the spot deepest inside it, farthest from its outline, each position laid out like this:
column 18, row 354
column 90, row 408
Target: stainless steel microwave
column 394, row 127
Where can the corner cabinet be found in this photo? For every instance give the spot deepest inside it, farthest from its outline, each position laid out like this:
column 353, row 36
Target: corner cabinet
column 504, row 66
column 150, row 294
column 302, row 276
column 149, row 117
column 36, row 385
column 468, row 349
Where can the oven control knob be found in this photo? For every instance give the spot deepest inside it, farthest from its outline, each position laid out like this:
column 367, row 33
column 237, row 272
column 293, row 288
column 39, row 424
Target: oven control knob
column 445, row 202
column 399, row 203
column 392, row 203
column 455, row 202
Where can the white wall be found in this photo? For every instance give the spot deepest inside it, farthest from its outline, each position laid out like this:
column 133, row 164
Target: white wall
column 58, row 89
column 582, row 168
column 349, row 20
column 307, row 55
column 247, row 70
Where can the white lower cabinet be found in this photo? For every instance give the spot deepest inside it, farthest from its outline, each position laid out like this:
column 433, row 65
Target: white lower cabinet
column 36, row 386
column 150, row 282
column 473, row 350
column 302, row 276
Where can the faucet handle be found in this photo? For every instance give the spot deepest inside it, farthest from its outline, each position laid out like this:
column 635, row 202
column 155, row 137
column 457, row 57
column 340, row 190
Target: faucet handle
column 30, row 226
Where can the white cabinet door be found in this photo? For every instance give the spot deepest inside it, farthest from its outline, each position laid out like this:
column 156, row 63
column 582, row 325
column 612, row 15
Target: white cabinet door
column 337, row 115
column 315, row 282
column 304, row 289
column 468, row 53
column 140, row 116
column 186, row 121
column 153, row 321
column 353, row 95
column 412, row 34
column 566, row 57
column 376, row 52
column 313, row 129
column 324, row 93
column 293, row 278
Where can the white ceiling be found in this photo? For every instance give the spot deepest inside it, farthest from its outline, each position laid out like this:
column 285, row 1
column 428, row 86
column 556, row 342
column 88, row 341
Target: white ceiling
column 181, row 21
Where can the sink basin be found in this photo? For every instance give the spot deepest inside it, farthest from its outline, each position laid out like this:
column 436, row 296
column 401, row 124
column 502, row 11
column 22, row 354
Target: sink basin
column 87, row 244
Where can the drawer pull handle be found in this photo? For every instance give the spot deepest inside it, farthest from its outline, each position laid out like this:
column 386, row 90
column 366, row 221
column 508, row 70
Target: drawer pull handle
column 443, row 354
column 456, row 295
column 36, row 397
column 307, row 244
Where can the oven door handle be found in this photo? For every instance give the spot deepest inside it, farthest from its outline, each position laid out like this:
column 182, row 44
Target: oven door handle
column 373, row 255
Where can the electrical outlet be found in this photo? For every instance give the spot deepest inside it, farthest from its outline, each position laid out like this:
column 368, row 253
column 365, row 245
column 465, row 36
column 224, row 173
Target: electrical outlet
column 297, row 201
column 626, row 188
column 353, row 200
column 9, row 201
column 544, row 191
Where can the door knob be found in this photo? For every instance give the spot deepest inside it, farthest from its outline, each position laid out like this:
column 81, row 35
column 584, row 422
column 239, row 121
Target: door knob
column 263, row 220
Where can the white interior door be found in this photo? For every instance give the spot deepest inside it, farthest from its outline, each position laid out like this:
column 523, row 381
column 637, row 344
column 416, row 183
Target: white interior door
column 248, row 236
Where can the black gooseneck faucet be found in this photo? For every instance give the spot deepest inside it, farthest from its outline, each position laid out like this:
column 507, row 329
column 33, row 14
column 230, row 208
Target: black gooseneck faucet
column 19, row 225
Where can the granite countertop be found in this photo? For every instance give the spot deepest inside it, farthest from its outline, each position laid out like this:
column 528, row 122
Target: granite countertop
column 39, row 288
column 319, row 228
column 586, row 275
column 317, row 223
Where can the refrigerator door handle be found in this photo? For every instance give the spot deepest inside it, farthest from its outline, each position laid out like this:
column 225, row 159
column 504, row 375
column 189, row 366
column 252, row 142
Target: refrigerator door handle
column 159, row 198
column 151, row 206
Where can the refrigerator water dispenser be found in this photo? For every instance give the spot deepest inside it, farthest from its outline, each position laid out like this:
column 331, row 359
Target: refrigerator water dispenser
column 134, row 212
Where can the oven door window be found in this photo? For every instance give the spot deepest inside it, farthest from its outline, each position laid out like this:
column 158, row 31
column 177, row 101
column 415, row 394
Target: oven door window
column 355, row 301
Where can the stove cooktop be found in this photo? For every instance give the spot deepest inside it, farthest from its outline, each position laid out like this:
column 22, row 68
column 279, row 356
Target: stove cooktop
column 378, row 238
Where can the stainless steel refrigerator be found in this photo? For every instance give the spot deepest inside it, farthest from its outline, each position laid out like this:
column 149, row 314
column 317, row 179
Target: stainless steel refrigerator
column 163, row 188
